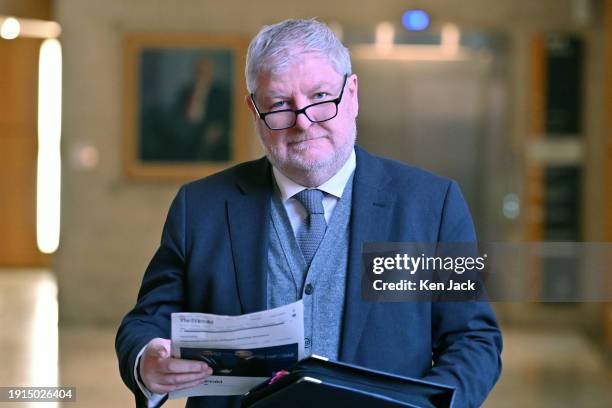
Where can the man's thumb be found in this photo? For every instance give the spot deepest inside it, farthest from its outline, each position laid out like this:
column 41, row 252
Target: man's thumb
column 158, row 349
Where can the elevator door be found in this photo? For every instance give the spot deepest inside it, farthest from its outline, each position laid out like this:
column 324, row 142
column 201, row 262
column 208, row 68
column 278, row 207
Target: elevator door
column 444, row 116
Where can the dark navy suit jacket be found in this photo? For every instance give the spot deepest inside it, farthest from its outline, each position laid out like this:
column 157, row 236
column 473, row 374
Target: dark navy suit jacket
column 212, row 259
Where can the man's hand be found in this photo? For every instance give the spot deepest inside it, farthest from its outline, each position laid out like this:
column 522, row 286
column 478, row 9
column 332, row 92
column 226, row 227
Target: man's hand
column 162, row 373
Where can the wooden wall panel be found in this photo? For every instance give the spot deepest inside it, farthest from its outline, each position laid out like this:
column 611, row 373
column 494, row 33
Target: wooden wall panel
column 18, row 118
column 608, row 79
column 534, row 176
column 607, row 320
column 39, row 9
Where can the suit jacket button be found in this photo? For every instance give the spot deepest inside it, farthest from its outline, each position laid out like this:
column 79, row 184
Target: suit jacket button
column 309, row 288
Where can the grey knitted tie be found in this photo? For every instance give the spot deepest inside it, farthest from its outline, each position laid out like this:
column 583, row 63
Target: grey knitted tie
column 311, row 233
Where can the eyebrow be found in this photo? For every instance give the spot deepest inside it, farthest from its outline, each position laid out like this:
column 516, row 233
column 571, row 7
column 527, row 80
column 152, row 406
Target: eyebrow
column 275, row 95
column 321, row 86
column 279, row 95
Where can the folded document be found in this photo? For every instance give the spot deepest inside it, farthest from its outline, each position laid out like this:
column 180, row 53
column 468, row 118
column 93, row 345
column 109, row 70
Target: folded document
column 241, row 350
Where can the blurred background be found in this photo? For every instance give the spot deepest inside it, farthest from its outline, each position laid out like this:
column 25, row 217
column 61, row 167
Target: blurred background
column 512, row 98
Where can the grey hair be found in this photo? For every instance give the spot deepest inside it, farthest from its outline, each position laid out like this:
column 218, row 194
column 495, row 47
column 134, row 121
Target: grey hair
column 274, row 48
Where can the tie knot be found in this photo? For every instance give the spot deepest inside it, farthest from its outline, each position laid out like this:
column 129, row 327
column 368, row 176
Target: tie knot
column 312, row 200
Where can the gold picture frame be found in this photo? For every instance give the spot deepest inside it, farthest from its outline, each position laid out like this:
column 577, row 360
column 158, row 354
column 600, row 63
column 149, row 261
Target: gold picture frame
column 184, row 115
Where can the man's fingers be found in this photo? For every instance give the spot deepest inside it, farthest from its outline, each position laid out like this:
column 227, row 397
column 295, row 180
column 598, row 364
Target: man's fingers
column 161, row 373
column 182, row 379
column 182, row 366
column 171, row 382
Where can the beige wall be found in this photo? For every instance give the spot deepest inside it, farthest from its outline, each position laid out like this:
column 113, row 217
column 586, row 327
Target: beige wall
column 111, row 225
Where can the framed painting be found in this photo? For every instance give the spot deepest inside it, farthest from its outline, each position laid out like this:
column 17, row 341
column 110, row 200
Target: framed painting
column 184, row 105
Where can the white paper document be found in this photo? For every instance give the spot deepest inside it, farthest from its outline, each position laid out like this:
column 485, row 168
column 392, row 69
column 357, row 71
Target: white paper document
column 242, row 350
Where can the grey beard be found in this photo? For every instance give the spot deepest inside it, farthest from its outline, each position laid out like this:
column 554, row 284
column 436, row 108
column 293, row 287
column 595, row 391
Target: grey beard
column 312, row 171
column 312, row 174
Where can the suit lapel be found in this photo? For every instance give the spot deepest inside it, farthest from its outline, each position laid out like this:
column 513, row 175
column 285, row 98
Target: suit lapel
column 370, row 219
column 248, row 219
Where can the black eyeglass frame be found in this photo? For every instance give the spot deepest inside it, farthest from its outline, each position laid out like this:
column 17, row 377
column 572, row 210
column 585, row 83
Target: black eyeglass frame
column 336, row 101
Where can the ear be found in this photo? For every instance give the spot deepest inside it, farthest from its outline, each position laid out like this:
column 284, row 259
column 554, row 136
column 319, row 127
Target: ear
column 249, row 103
column 352, row 88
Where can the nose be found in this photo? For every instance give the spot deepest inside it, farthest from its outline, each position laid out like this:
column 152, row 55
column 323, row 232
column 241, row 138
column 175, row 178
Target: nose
column 302, row 122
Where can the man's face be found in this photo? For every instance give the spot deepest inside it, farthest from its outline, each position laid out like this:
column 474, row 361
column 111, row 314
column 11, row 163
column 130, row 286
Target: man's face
column 307, row 151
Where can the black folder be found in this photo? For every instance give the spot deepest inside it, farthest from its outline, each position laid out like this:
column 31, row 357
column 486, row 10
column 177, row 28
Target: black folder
column 322, row 383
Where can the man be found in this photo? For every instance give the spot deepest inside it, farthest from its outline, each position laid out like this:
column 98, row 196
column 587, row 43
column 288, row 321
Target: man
column 291, row 225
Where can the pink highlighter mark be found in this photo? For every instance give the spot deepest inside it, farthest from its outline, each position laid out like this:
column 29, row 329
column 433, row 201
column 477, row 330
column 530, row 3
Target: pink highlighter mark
column 278, row 375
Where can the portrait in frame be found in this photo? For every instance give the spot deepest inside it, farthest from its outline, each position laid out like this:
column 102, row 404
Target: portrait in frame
column 184, row 105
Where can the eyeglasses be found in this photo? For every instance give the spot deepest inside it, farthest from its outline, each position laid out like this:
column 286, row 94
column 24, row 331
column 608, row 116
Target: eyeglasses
column 316, row 113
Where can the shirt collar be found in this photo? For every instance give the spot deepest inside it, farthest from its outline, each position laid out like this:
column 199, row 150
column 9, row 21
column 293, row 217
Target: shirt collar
column 334, row 186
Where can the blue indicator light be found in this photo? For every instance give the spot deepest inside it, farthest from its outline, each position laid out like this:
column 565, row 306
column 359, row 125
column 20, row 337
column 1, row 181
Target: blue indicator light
column 415, row 20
